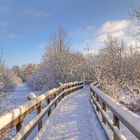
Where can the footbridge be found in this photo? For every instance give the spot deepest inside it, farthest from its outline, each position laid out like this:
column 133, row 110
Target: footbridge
column 73, row 111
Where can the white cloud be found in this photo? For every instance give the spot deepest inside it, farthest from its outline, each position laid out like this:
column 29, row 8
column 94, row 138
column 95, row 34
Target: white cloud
column 120, row 29
column 94, row 39
column 116, row 28
column 113, row 26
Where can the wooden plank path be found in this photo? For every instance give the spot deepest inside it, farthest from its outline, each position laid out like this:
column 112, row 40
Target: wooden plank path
column 73, row 119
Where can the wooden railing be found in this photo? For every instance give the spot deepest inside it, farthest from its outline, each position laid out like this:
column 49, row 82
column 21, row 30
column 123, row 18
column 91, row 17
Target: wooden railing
column 101, row 101
column 16, row 117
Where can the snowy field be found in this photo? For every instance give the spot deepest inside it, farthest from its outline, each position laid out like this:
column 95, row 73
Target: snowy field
column 20, row 94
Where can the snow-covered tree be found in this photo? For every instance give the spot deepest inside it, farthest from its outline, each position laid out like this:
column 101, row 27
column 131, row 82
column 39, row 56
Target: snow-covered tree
column 6, row 86
column 37, row 81
column 59, row 63
column 117, row 68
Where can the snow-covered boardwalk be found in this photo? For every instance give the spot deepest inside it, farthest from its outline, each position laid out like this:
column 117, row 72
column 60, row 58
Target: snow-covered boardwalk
column 73, row 119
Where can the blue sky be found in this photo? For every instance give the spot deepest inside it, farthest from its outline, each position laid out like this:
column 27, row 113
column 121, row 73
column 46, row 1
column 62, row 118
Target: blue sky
column 25, row 25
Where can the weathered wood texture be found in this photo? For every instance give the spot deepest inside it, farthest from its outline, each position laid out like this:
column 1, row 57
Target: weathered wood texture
column 100, row 101
column 15, row 117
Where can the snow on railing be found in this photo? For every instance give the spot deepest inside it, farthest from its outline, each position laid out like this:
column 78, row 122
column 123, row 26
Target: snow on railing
column 16, row 117
column 100, row 102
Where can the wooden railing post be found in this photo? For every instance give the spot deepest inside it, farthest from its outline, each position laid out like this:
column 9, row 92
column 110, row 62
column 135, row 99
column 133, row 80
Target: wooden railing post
column 55, row 102
column 97, row 99
column 104, row 108
column 40, row 122
column 59, row 99
column 116, row 121
column 63, row 95
column 19, row 125
column 93, row 93
column 117, row 124
column 48, row 101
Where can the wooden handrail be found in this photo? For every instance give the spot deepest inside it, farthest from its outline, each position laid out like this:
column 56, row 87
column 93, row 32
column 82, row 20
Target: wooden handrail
column 15, row 117
column 100, row 101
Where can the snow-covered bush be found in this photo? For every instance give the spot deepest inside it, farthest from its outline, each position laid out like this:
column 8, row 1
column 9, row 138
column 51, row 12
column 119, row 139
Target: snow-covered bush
column 6, row 88
column 6, row 82
column 16, row 81
column 7, row 85
column 37, row 81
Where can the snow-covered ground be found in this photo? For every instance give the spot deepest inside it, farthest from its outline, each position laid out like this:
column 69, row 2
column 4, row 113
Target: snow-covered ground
column 20, row 94
column 73, row 119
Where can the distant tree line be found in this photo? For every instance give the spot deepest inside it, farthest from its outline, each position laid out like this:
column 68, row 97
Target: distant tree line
column 25, row 71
